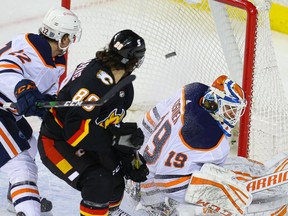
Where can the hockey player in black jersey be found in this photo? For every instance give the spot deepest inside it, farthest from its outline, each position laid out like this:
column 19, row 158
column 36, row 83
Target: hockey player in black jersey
column 90, row 147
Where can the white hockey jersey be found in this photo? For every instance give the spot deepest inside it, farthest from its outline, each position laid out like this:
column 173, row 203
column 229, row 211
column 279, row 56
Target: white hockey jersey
column 180, row 137
column 29, row 56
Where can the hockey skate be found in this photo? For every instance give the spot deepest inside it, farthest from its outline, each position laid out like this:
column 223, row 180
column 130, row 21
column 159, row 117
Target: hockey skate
column 46, row 205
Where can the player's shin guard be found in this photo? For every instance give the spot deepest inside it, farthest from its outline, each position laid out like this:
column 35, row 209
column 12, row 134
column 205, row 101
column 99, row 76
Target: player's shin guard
column 88, row 208
column 25, row 198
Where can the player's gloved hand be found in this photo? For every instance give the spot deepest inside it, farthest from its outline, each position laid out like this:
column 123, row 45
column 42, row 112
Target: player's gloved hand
column 127, row 137
column 134, row 168
column 49, row 97
column 27, row 94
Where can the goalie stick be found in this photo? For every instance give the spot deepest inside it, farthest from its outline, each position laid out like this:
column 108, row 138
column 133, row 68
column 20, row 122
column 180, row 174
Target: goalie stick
column 47, row 104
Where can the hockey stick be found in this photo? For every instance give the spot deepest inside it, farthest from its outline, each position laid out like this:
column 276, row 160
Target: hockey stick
column 47, row 104
column 138, row 185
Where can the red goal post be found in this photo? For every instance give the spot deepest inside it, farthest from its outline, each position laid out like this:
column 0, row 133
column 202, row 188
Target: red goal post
column 194, row 40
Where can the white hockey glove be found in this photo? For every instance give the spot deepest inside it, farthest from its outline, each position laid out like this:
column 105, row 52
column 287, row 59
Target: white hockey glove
column 216, row 189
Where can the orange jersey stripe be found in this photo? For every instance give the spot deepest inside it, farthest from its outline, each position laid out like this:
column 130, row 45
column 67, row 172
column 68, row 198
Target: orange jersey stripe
column 24, row 190
column 166, row 184
column 10, row 66
column 150, row 120
column 8, row 142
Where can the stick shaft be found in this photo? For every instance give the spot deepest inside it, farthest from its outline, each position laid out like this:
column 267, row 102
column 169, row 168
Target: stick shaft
column 48, row 104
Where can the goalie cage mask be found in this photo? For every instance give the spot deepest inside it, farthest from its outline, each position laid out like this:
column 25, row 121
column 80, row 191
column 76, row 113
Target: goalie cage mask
column 225, row 99
column 128, row 45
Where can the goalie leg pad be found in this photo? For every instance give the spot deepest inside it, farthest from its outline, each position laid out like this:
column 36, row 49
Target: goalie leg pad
column 221, row 194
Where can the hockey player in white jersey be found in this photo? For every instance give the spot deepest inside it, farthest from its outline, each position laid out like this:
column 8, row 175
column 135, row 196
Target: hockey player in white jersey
column 30, row 68
column 182, row 174
column 182, row 133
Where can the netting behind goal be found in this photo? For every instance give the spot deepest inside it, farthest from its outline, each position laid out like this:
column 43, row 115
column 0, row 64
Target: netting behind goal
column 196, row 41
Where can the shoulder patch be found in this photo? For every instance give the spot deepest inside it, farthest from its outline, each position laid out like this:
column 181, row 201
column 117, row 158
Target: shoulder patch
column 105, row 77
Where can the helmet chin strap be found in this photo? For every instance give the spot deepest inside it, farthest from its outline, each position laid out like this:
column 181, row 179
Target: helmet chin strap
column 64, row 49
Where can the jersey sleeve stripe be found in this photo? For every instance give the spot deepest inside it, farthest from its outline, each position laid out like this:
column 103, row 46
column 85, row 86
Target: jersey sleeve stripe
column 10, row 71
column 80, row 134
column 10, row 66
column 156, row 113
column 54, row 156
column 147, row 127
column 166, row 184
column 150, row 120
column 53, row 111
column 8, row 142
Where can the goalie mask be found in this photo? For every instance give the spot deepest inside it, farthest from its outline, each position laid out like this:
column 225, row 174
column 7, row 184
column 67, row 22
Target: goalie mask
column 60, row 21
column 130, row 46
column 225, row 99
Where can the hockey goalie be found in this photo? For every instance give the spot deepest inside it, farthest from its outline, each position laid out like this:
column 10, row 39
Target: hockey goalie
column 186, row 150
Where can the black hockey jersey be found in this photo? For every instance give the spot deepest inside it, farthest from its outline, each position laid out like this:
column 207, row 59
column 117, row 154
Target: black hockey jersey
column 86, row 127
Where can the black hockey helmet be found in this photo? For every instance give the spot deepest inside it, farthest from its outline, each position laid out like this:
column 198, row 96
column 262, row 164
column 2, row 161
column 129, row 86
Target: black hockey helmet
column 129, row 45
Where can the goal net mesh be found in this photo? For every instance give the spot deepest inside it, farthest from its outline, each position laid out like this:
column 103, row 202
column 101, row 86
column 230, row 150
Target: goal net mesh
column 193, row 41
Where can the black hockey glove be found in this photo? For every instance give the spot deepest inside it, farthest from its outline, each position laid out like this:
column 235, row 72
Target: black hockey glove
column 27, row 94
column 127, row 137
column 133, row 169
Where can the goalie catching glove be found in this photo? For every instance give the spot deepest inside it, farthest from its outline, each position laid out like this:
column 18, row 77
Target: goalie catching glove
column 127, row 139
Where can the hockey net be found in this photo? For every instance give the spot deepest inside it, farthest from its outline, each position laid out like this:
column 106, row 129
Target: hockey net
column 194, row 40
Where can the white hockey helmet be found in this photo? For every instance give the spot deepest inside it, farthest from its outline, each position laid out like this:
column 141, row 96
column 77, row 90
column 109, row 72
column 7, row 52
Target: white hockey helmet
column 226, row 100
column 60, row 21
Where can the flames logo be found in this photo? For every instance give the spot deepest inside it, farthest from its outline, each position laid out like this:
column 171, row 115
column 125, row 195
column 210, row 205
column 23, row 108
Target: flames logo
column 113, row 118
